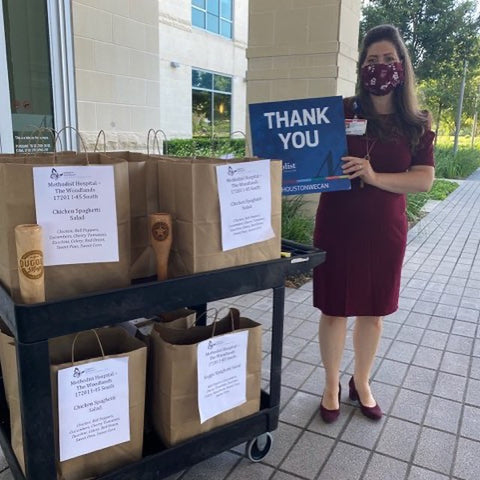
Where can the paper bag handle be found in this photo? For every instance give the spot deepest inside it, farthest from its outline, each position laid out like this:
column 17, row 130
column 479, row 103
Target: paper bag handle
column 155, row 139
column 101, row 132
column 204, row 314
column 230, row 311
column 68, row 127
column 75, row 340
column 150, row 131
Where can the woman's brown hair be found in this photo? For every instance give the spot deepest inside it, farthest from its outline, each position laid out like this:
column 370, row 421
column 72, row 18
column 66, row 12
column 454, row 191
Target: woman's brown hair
column 410, row 120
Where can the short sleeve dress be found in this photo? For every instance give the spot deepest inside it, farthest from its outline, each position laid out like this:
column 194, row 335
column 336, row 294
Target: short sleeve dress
column 364, row 232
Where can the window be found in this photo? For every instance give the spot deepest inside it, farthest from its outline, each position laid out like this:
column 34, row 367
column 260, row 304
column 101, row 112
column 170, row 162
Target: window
column 211, row 104
column 213, row 15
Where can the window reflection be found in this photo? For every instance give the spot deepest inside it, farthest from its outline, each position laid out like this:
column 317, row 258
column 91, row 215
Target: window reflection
column 213, row 15
column 211, row 104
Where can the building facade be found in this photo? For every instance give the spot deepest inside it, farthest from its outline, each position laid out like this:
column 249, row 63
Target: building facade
column 178, row 67
column 121, row 66
column 203, row 66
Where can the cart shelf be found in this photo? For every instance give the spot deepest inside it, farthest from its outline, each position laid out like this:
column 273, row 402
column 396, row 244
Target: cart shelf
column 33, row 325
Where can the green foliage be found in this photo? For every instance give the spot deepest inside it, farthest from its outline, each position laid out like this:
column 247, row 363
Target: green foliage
column 447, row 166
column 461, row 165
column 415, row 203
column 204, row 147
column 446, row 142
column 441, row 189
column 438, row 33
column 440, row 97
column 296, row 225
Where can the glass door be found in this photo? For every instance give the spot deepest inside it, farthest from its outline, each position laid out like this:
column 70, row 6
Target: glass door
column 37, row 72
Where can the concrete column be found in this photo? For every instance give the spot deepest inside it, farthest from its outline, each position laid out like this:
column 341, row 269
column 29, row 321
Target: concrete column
column 302, row 49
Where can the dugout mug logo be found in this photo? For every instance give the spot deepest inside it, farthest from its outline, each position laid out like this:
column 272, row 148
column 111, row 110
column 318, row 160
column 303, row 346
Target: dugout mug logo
column 31, row 264
column 160, row 231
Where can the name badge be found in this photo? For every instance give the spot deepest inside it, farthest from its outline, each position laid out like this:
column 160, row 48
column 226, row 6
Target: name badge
column 355, row 126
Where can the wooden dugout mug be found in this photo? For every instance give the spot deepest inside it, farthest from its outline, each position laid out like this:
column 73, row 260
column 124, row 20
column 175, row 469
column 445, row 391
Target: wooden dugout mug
column 29, row 243
column 160, row 225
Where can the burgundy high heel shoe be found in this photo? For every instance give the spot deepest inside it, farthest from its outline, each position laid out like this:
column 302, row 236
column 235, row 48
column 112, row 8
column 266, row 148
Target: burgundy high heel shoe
column 374, row 413
column 329, row 416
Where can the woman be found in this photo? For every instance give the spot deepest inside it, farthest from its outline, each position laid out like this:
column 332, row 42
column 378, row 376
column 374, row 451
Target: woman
column 364, row 230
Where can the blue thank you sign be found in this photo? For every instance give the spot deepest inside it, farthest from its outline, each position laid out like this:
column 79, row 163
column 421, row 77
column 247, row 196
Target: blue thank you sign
column 308, row 135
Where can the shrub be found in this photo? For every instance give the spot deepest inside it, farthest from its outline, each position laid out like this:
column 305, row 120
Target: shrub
column 204, row 147
column 441, row 189
column 415, row 201
column 461, row 165
column 296, row 225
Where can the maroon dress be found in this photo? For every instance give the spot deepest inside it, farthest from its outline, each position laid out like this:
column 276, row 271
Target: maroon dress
column 364, row 232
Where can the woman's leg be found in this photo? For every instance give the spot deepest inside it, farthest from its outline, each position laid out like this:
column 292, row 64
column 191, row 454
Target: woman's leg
column 366, row 336
column 331, row 337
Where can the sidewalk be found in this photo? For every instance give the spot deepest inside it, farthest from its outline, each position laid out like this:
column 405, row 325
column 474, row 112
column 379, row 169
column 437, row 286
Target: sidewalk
column 426, row 375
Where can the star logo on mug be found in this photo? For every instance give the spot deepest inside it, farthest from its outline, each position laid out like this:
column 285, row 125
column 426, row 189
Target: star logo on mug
column 160, row 231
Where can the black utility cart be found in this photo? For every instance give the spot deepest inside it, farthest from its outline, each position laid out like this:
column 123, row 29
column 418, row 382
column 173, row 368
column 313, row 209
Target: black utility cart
column 33, row 325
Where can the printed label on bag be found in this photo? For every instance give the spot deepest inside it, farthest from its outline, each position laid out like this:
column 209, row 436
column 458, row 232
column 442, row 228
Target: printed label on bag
column 93, row 407
column 76, row 208
column 245, row 203
column 222, row 373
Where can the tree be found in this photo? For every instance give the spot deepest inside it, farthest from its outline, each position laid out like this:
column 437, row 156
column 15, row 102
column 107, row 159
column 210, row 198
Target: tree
column 438, row 97
column 438, row 33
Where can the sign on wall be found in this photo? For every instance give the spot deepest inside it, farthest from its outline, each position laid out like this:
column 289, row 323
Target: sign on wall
column 308, row 135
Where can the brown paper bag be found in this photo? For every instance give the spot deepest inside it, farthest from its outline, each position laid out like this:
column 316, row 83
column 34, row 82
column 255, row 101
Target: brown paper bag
column 143, row 182
column 8, row 360
column 116, row 343
column 20, row 157
column 17, row 206
column 175, row 395
column 179, row 319
column 188, row 191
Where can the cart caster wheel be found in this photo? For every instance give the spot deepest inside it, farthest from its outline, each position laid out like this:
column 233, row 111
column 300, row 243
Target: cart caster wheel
column 258, row 448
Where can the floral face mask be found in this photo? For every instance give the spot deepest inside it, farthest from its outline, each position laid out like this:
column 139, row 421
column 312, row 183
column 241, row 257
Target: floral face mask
column 382, row 78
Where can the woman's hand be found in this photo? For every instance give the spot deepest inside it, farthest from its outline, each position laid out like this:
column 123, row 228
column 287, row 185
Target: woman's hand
column 358, row 167
column 419, row 178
